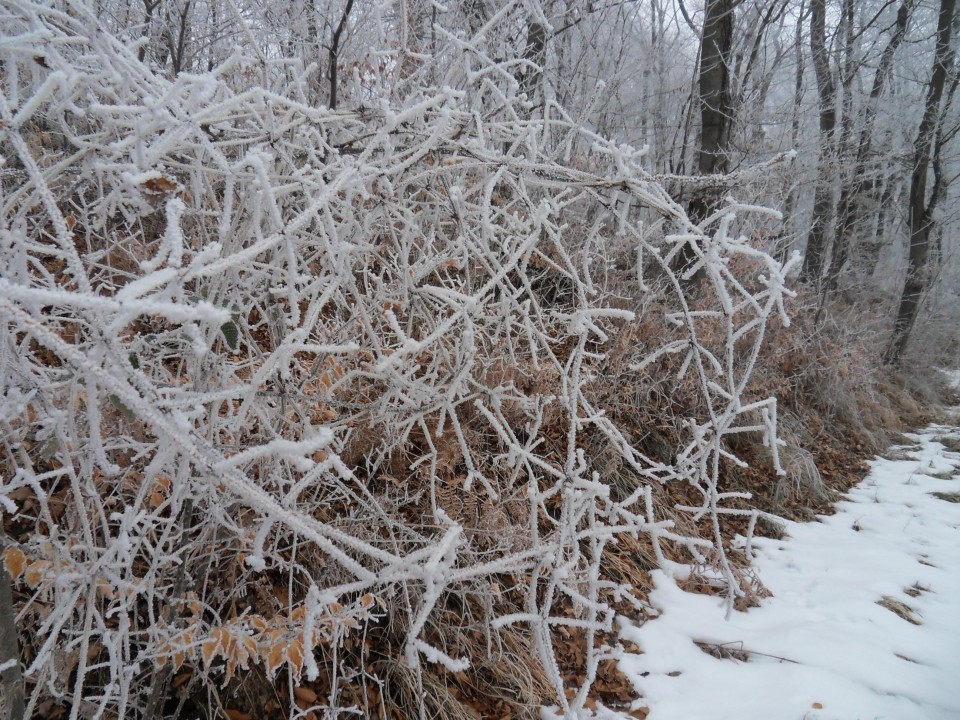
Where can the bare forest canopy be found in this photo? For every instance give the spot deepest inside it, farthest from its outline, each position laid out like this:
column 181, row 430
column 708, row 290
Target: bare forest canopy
column 364, row 358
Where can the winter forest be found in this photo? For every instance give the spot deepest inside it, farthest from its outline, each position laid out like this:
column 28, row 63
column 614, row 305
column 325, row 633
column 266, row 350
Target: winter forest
column 368, row 358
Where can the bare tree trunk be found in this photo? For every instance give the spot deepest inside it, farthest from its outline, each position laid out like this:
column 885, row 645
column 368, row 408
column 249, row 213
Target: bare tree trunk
column 148, row 10
column 477, row 14
column 784, row 242
column 941, row 180
column 920, row 212
column 715, row 109
column 815, row 257
column 852, row 191
column 335, row 52
column 885, row 195
column 212, row 59
column 178, row 45
column 715, row 106
column 535, row 54
column 839, row 248
column 12, row 678
column 746, row 66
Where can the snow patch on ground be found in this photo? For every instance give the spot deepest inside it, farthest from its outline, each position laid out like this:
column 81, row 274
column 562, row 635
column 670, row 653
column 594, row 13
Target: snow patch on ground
column 953, row 377
column 823, row 648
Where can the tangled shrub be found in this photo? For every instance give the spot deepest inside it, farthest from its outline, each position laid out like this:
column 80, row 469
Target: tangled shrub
column 273, row 374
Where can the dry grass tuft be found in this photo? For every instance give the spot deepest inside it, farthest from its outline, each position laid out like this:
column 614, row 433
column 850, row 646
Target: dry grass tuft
column 916, row 590
column 725, row 651
column 802, row 481
column 900, row 609
column 950, row 442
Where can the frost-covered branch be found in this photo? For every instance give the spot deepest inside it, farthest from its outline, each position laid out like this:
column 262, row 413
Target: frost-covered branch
column 359, row 348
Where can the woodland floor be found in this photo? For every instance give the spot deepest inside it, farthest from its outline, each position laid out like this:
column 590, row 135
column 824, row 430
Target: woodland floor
column 863, row 620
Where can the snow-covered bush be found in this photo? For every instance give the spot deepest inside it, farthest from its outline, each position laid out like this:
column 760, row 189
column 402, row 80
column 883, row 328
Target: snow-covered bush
column 272, row 375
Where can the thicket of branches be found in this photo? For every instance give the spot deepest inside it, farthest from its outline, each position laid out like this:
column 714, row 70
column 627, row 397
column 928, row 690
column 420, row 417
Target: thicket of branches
column 348, row 365
column 276, row 375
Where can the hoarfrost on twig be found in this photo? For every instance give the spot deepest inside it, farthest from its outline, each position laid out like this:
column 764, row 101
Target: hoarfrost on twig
column 385, row 279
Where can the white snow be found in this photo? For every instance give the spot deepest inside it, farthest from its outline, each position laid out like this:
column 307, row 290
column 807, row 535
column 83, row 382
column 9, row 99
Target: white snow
column 822, row 648
column 952, row 377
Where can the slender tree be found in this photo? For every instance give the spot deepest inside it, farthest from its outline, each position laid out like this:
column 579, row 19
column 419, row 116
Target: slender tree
column 859, row 184
column 713, row 81
column 784, row 242
column 714, row 86
column 920, row 208
column 335, row 52
column 815, row 257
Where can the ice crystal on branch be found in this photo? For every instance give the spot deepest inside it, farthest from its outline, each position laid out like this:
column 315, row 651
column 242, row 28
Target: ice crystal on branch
column 320, row 369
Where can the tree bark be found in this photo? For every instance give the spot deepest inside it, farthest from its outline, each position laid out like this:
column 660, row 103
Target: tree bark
column 12, row 677
column 839, row 248
column 335, row 52
column 885, row 195
column 921, row 220
column 715, row 111
column 148, row 8
column 535, row 55
column 178, row 46
column 714, row 80
column 784, row 242
column 852, row 192
column 815, row 256
column 746, row 66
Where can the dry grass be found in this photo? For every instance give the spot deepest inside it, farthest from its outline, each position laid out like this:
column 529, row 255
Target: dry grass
column 951, row 442
column 900, row 609
column 725, row 651
column 802, row 481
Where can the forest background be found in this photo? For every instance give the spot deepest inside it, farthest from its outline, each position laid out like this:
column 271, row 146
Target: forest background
column 364, row 357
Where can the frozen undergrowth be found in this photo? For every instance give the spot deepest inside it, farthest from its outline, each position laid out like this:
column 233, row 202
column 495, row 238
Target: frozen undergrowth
column 259, row 357
column 863, row 621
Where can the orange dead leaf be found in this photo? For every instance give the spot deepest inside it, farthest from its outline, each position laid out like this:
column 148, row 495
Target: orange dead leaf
column 177, row 659
column 308, row 695
column 274, row 658
column 295, row 657
column 14, row 561
column 36, row 571
column 213, row 645
column 257, row 623
column 160, row 185
column 247, row 648
column 105, row 590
